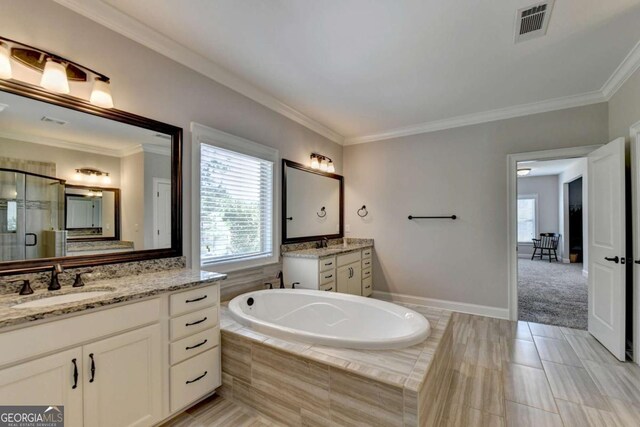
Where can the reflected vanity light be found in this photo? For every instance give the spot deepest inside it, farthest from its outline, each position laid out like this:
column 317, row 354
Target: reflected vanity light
column 324, row 163
column 92, row 175
column 5, row 62
column 56, row 71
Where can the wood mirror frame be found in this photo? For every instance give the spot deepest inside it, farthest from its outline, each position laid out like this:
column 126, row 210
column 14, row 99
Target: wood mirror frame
column 291, row 164
column 40, row 264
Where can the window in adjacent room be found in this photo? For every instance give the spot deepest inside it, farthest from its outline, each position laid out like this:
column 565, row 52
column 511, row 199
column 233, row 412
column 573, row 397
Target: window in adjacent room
column 237, row 204
column 527, row 218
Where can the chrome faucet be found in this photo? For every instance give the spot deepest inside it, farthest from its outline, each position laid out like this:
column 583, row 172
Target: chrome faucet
column 281, row 277
column 54, row 285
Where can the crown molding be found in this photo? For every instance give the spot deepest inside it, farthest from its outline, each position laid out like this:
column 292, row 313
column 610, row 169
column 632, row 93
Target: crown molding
column 484, row 117
column 627, row 67
column 59, row 143
column 121, row 23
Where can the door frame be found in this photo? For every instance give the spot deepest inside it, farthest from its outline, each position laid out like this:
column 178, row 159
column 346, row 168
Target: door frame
column 512, row 210
column 634, row 134
column 156, row 182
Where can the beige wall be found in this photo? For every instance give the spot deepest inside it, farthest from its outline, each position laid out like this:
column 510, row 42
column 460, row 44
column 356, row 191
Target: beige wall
column 624, row 108
column 457, row 171
column 148, row 84
column 132, row 200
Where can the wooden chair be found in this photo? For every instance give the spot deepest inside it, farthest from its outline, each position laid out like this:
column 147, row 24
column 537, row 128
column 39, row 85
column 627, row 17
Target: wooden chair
column 547, row 242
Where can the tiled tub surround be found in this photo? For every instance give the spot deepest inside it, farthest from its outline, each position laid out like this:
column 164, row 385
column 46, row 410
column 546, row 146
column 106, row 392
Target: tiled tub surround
column 121, row 289
column 98, row 245
column 99, row 272
column 300, row 384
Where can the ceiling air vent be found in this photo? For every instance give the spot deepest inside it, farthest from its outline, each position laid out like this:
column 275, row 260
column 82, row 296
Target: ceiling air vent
column 53, row 120
column 532, row 21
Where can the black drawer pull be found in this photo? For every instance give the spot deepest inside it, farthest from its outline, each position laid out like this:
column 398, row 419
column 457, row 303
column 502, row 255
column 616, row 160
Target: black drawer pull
column 196, row 346
column 196, row 322
column 75, row 374
column 197, row 379
column 196, row 299
column 330, row 289
column 329, row 276
column 93, row 368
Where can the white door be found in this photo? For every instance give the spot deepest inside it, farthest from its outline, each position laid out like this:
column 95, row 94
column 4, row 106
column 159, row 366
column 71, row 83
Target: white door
column 635, row 169
column 47, row 381
column 162, row 213
column 122, row 381
column 606, row 171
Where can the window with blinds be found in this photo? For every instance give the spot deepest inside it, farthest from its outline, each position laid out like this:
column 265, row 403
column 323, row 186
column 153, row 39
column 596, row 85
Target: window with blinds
column 236, row 206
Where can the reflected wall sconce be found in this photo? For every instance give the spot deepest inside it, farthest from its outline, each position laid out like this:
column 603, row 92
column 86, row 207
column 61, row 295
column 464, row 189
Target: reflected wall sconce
column 324, row 163
column 56, row 71
column 92, row 175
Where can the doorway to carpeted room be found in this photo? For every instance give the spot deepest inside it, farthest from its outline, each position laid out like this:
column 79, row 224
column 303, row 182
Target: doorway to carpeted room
column 552, row 293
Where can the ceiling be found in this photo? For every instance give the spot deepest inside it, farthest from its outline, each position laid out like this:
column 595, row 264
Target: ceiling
column 21, row 119
column 547, row 167
column 365, row 70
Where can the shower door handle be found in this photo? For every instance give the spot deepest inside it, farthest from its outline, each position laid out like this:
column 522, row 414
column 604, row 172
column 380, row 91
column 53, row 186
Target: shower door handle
column 35, row 239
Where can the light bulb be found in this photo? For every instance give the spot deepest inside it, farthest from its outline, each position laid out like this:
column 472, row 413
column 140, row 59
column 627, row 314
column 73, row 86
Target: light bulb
column 54, row 77
column 5, row 62
column 101, row 94
column 106, row 179
column 314, row 162
column 323, row 165
column 77, row 176
column 331, row 168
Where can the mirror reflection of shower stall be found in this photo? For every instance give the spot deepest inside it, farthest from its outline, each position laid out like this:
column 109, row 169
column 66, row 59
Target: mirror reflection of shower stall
column 31, row 216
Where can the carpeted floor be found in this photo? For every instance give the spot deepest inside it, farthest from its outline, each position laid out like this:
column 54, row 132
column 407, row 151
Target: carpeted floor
column 552, row 293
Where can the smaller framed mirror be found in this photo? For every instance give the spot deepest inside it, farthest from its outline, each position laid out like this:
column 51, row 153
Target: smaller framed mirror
column 312, row 204
column 91, row 213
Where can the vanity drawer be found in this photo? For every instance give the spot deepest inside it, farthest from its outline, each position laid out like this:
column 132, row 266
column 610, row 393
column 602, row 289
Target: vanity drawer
column 327, row 263
column 194, row 344
column 191, row 323
column 329, row 287
column 366, row 263
column 194, row 378
column 348, row 258
column 366, row 273
column 367, row 287
column 366, row 253
column 193, row 299
column 327, row 276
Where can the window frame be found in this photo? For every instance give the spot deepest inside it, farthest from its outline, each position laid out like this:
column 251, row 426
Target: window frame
column 205, row 135
column 536, row 228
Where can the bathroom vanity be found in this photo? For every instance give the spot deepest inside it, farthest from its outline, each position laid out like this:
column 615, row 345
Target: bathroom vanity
column 145, row 349
column 339, row 268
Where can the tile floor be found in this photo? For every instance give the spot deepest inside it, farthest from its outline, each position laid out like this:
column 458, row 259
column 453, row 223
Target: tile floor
column 507, row 374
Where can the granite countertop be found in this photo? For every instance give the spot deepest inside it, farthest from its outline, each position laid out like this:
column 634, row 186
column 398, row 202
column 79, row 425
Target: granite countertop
column 120, row 290
column 98, row 245
column 331, row 250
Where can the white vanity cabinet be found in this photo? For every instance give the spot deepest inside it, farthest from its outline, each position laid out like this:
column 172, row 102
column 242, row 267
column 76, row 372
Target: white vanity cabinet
column 133, row 364
column 348, row 272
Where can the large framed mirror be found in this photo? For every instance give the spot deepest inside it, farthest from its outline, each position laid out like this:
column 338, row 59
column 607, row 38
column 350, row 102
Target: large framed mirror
column 83, row 185
column 312, row 204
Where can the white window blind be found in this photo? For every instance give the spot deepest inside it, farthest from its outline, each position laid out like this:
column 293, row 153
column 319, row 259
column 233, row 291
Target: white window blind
column 236, row 206
column 526, row 219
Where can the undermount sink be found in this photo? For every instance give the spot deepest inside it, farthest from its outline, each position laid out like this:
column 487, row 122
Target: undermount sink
column 61, row 299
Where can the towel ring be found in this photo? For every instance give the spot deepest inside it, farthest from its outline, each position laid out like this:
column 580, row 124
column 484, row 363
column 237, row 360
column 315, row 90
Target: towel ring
column 364, row 210
column 323, row 211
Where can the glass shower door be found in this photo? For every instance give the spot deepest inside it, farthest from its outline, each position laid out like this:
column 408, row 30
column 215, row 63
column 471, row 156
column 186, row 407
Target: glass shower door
column 12, row 216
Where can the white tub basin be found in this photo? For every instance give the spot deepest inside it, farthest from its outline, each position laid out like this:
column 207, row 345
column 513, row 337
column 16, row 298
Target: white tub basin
column 61, row 299
column 330, row 318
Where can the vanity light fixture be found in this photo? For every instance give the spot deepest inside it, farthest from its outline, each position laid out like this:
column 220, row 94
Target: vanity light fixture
column 523, row 171
column 92, row 175
column 324, row 163
column 5, row 61
column 56, row 71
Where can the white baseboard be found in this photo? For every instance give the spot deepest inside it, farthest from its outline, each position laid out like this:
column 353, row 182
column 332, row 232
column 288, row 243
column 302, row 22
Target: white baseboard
column 462, row 307
column 585, row 273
